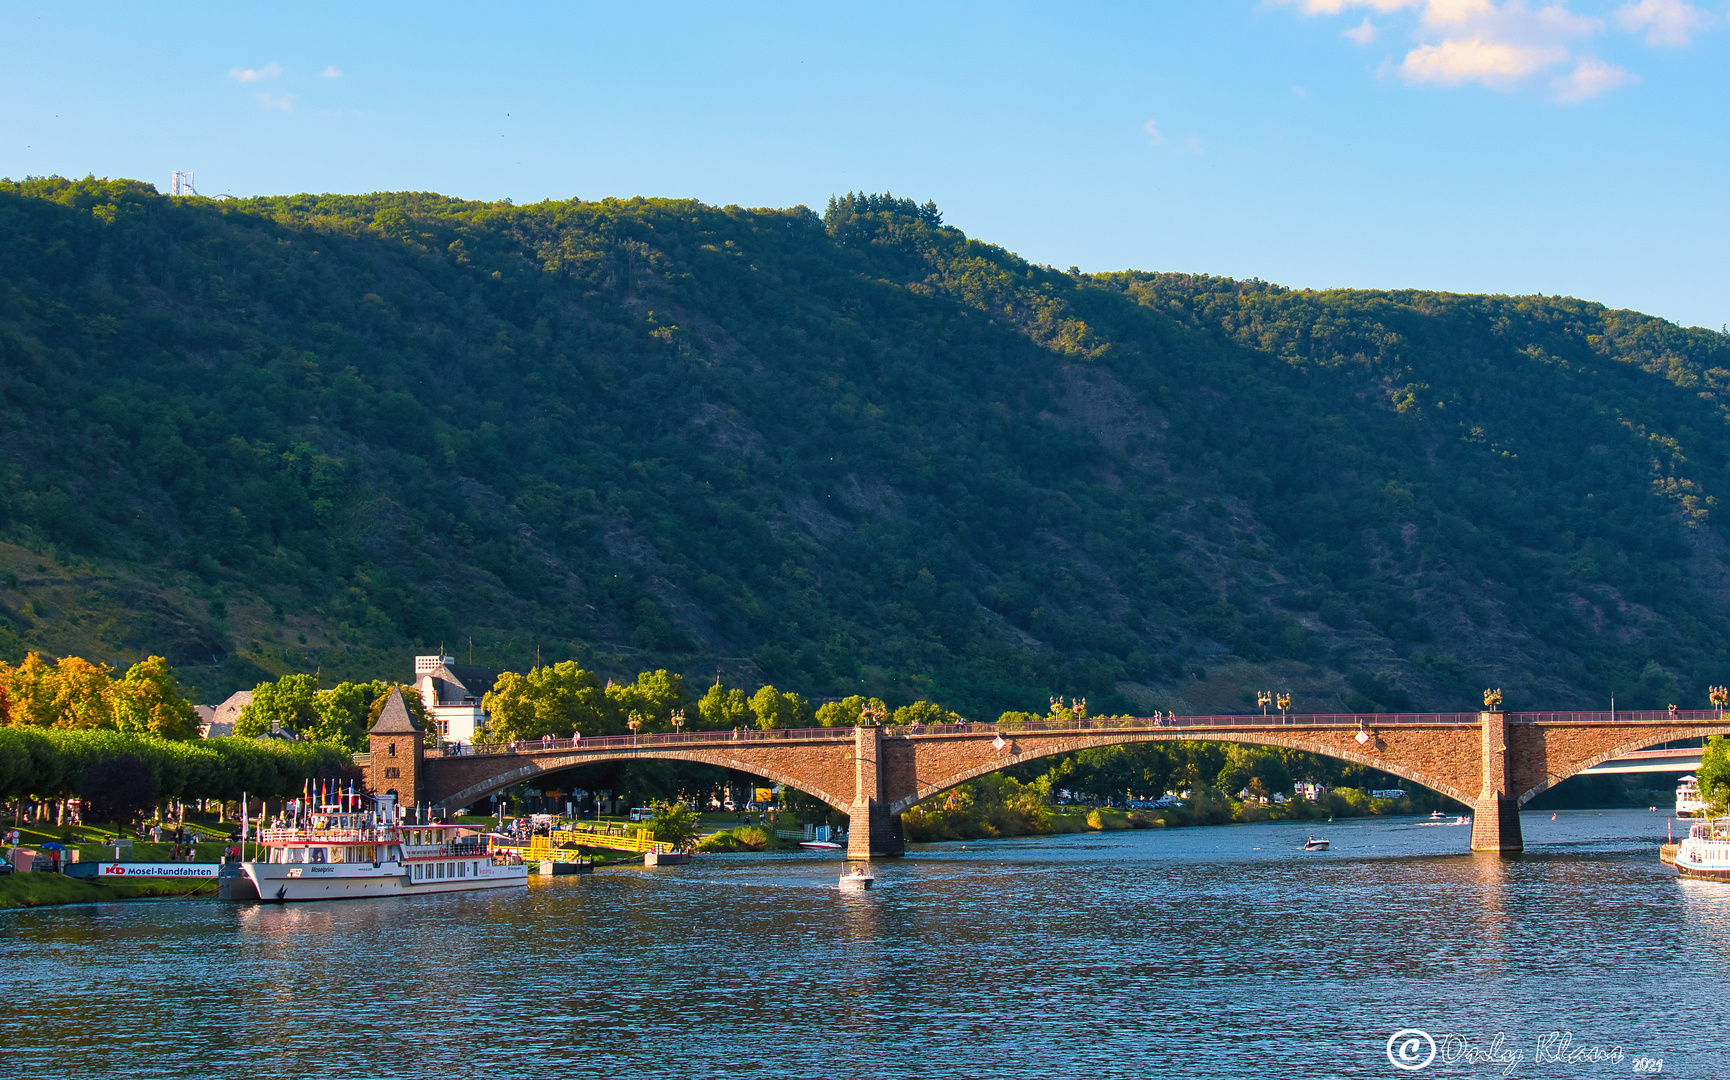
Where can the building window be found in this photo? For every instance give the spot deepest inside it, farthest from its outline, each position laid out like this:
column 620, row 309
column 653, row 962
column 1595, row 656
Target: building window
column 392, row 750
column 393, row 773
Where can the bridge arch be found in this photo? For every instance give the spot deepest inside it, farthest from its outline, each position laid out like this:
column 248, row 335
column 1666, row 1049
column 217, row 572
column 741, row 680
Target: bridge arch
column 1644, row 741
column 939, row 785
column 531, row 767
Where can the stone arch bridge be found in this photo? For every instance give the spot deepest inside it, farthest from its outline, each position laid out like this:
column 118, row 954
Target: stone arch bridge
column 1491, row 761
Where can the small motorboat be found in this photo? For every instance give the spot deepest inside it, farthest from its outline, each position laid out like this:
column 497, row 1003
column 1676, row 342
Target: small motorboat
column 1462, row 820
column 857, row 879
column 1316, row 843
column 1436, row 815
column 820, row 845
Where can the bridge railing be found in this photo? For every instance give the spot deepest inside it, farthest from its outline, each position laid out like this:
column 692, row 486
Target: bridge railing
column 1199, row 724
column 658, row 740
column 1620, row 716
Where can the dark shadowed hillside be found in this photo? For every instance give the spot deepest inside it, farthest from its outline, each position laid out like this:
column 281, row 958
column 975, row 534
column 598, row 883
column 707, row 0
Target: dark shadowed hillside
column 856, row 451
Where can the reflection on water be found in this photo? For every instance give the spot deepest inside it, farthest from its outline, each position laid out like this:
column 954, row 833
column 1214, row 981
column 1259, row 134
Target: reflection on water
column 1204, row 952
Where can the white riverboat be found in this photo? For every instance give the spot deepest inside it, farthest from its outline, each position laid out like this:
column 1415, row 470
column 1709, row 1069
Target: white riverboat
column 338, row 852
column 1688, row 800
column 1704, row 852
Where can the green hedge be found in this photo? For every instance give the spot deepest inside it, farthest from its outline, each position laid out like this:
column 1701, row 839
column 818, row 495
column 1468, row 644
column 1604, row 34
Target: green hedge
column 47, row 764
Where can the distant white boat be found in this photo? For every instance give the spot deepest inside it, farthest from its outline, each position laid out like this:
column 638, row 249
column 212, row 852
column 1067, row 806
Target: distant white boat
column 1436, row 815
column 1316, row 843
column 1688, row 800
column 857, row 879
column 821, row 845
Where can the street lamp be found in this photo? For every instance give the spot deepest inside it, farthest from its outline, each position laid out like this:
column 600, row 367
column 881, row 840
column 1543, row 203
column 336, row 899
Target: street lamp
column 678, row 720
column 634, row 723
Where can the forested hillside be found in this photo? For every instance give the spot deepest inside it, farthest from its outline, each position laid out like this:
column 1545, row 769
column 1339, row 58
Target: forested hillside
column 843, row 453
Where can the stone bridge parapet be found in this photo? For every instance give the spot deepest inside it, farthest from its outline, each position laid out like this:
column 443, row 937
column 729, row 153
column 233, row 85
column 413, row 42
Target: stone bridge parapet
column 1491, row 761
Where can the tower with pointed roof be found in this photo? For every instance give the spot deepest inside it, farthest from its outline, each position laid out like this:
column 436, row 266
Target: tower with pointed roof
column 395, row 765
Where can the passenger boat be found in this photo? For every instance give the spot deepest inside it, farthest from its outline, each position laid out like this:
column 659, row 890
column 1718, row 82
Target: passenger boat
column 1703, row 853
column 1316, row 843
column 857, row 879
column 1688, row 800
column 337, row 851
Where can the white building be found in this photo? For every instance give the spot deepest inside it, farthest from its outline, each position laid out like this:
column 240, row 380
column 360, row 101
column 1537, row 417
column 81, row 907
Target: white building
column 452, row 695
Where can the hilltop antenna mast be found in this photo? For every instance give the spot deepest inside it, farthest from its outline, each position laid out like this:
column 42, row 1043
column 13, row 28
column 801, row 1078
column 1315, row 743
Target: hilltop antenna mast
column 182, row 184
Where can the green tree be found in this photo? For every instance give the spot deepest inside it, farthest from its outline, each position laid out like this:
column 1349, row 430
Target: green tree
column 654, row 696
column 348, row 709
column 148, row 702
column 287, row 702
column 1714, row 774
column 677, row 824
column 559, row 700
column 774, row 709
column 846, row 712
column 724, row 710
column 924, row 712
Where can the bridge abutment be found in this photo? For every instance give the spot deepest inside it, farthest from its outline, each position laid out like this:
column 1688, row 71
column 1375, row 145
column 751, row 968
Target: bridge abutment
column 1496, row 813
column 872, row 831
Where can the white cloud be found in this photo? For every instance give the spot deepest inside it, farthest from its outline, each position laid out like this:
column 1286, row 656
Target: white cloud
column 268, row 71
column 1513, row 44
column 1666, row 22
column 330, row 72
column 1589, row 78
column 1494, row 63
column 283, row 102
column 1334, row 7
column 1154, row 135
column 1363, row 33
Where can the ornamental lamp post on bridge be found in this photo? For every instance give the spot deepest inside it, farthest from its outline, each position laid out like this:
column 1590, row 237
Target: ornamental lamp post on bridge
column 678, row 721
column 1720, row 697
column 1264, row 699
column 635, row 723
column 1283, row 703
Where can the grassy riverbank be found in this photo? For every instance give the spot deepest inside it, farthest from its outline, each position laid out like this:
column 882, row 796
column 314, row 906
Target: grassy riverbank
column 38, row 890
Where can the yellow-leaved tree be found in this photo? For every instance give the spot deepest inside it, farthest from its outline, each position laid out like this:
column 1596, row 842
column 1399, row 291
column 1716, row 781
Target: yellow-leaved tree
column 75, row 693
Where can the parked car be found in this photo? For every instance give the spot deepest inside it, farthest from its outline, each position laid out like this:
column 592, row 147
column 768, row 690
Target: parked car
column 5, row 868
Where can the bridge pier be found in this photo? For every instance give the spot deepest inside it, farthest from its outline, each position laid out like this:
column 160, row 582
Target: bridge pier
column 872, row 831
column 1496, row 814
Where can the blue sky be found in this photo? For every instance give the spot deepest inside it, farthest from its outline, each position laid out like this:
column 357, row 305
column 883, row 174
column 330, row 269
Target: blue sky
column 1567, row 146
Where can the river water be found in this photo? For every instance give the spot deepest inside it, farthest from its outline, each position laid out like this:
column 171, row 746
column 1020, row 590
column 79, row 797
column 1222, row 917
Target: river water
column 1218, row 952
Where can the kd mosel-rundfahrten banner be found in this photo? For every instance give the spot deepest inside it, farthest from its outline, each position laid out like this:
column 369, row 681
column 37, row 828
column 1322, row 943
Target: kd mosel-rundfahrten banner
column 114, row 871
